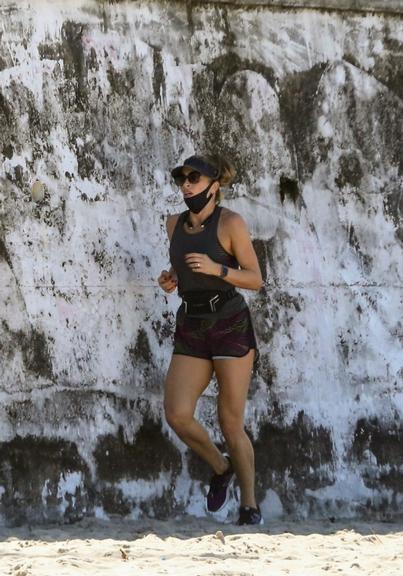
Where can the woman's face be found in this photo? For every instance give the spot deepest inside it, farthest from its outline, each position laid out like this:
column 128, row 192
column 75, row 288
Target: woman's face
column 190, row 188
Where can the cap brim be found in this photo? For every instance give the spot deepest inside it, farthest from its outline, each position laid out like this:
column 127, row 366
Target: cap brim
column 197, row 163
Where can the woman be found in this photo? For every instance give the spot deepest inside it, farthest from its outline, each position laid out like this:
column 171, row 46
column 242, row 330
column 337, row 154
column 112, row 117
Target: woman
column 211, row 254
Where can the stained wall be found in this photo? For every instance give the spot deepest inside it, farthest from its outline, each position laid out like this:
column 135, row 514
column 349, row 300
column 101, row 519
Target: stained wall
column 97, row 101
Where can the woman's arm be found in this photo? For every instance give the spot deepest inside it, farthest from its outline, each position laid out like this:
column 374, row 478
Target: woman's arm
column 170, row 224
column 168, row 279
column 249, row 276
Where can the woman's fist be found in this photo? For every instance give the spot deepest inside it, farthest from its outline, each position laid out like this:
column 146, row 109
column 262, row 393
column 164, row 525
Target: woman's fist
column 202, row 264
column 168, row 281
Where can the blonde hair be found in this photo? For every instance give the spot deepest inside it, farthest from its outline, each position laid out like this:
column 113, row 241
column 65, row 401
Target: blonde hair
column 225, row 169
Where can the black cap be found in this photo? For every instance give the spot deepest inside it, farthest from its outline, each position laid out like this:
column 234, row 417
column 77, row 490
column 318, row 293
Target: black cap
column 200, row 164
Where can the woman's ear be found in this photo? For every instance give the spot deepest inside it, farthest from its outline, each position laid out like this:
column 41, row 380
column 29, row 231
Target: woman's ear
column 214, row 189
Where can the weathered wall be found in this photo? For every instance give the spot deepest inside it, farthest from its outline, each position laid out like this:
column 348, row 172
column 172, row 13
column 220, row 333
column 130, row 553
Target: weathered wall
column 385, row 6
column 97, row 101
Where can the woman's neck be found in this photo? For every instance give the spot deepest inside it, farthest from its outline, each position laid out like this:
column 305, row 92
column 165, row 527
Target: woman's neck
column 197, row 220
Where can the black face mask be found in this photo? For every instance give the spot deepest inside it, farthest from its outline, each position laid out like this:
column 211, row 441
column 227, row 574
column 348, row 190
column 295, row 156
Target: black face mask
column 198, row 202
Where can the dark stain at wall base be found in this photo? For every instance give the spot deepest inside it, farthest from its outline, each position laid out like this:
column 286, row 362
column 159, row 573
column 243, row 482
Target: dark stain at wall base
column 113, row 501
column 300, row 452
column 31, row 469
column 384, row 441
column 146, row 458
column 150, row 454
column 162, row 507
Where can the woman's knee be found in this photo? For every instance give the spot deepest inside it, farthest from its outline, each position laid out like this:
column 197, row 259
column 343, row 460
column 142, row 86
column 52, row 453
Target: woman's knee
column 178, row 420
column 232, row 428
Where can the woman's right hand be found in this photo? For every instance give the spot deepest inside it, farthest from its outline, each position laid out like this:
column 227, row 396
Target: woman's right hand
column 168, row 281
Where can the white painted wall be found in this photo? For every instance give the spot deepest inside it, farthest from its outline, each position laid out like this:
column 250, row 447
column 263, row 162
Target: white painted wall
column 98, row 102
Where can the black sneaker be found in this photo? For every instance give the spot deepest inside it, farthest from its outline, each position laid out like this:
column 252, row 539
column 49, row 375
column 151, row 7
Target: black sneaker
column 220, row 485
column 248, row 515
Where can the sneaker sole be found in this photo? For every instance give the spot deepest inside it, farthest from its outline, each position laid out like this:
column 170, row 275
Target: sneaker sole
column 261, row 523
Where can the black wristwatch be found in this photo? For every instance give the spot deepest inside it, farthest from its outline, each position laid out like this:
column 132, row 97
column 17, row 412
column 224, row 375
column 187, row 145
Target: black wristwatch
column 224, row 271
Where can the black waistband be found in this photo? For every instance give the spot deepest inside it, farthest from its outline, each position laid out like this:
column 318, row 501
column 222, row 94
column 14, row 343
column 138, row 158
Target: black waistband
column 207, row 300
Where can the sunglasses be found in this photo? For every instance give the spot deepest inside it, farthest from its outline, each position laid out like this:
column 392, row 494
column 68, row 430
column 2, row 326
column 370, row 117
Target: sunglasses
column 193, row 177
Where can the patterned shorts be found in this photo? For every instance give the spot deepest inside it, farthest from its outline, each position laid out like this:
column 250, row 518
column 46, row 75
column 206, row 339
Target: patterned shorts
column 215, row 338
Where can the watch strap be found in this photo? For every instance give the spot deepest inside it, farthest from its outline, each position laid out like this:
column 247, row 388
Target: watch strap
column 224, row 271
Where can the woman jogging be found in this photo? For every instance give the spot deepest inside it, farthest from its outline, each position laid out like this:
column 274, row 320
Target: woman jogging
column 211, row 254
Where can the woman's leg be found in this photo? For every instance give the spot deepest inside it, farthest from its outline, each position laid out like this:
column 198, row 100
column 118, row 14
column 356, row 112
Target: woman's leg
column 233, row 377
column 186, row 380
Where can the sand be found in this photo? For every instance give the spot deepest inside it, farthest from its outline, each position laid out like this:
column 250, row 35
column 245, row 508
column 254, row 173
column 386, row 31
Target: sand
column 200, row 547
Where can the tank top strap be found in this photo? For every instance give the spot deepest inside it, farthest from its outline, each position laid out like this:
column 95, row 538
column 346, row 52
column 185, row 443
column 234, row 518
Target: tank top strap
column 179, row 223
column 215, row 219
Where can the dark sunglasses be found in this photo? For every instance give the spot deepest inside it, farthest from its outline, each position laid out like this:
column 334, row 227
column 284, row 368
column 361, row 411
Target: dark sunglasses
column 193, row 177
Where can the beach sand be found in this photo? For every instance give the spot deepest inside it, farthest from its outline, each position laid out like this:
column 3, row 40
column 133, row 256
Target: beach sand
column 200, row 547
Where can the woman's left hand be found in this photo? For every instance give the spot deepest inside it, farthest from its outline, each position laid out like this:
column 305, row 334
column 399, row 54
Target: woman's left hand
column 202, row 263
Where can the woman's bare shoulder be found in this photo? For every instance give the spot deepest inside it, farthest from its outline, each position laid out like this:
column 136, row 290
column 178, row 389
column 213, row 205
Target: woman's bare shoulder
column 170, row 223
column 231, row 219
column 172, row 217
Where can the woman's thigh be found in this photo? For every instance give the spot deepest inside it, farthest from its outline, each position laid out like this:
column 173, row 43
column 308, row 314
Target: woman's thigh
column 186, row 380
column 233, row 377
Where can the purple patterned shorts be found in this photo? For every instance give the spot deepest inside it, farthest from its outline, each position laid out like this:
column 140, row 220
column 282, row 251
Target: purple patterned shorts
column 214, row 338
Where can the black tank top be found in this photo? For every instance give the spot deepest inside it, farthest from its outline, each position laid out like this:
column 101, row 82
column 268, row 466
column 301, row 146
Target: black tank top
column 204, row 242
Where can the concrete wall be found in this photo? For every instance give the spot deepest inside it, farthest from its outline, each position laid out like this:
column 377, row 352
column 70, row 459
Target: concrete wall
column 384, row 6
column 97, row 101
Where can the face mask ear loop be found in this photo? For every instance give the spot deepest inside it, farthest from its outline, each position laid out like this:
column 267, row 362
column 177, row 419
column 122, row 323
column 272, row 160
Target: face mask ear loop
column 217, row 194
column 208, row 188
